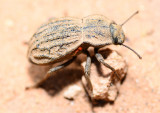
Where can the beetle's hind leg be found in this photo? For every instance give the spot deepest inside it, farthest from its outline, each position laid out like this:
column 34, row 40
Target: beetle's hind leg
column 100, row 58
column 49, row 73
column 87, row 73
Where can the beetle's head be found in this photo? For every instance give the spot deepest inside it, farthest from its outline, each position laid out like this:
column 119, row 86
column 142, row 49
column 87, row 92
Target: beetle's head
column 118, row 36
column 117, row 33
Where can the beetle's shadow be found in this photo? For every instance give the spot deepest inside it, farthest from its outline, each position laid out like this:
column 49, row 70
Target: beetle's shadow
column 65, row 76
column 59, row 79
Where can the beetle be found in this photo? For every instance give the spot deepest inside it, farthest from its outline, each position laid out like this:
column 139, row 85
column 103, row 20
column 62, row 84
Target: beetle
column 64, row 38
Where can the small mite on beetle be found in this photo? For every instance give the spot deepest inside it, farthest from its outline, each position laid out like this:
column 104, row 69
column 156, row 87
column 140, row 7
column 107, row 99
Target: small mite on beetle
column 64, row 38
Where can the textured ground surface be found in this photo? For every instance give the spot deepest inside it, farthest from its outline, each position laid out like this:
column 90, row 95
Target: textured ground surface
column 19, row 19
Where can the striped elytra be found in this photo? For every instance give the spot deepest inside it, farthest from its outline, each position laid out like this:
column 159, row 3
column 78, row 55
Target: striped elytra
column 60, row 38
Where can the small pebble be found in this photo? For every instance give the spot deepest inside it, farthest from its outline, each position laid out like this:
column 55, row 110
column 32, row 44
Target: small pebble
column 72, row 92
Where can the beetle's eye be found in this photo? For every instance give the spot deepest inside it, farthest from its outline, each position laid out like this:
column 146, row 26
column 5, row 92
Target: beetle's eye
column 115, row 40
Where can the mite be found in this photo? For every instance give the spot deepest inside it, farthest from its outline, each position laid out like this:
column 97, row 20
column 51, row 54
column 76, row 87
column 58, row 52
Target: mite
column 64, row 38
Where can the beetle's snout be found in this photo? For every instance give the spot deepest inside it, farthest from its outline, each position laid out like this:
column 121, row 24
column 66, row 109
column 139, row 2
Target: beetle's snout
column 117, row 33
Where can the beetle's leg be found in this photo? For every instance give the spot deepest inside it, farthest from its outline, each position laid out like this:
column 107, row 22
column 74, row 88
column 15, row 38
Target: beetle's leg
column 87, row 73
column 49, row 73
column 101, row 60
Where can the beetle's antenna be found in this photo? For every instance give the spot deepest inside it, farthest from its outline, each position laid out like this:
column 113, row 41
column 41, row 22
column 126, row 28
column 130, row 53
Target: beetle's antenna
column 133, row 51
column 130, row 18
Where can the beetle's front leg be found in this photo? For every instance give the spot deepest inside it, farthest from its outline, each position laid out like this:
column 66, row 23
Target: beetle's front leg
column 100, row 58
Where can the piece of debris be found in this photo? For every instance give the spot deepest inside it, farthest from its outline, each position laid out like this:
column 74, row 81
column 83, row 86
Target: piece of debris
column 72, row 92
column 105, row 83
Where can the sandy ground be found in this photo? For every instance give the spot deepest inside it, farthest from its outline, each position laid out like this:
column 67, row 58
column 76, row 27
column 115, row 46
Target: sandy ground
column 19, row 19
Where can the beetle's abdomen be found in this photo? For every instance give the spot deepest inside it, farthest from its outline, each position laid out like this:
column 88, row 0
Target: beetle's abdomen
column 96, row 30
column 55, row 40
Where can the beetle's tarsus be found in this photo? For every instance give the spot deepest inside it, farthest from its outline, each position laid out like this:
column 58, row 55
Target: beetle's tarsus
column 31, row 87
column 49, row 73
